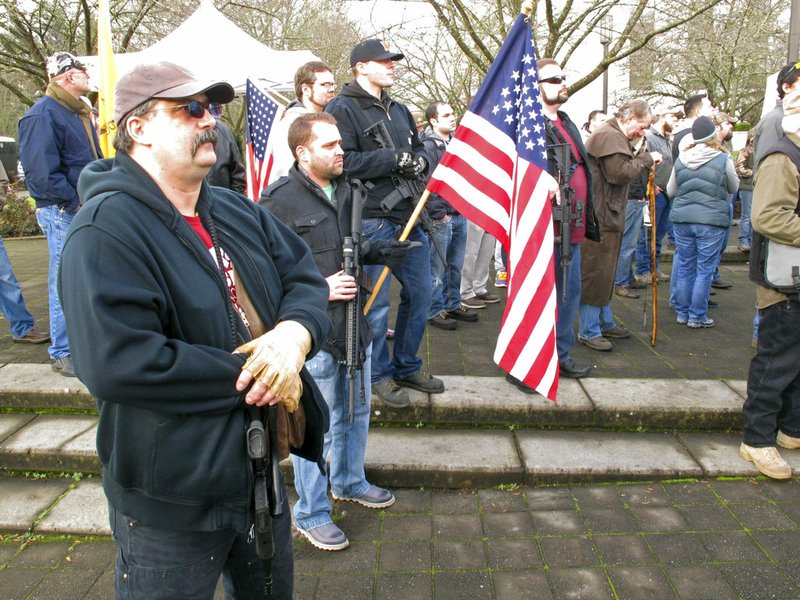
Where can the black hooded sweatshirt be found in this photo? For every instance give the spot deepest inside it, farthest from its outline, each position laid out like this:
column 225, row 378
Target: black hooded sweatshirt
column 145, row 307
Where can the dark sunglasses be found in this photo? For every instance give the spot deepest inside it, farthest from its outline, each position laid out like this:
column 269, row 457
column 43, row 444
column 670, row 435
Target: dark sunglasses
column 556, row 79
column 197, row 109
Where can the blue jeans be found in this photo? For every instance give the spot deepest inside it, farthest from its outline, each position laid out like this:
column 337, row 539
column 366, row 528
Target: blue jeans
column 699, row 248
column 567, row 311
column 414, row 276
column 745, row 230
column 663, row 227
column 773, row 381
column 723, row 243
column 347, row 443
column 164, row 564
column 451, row 237
column 630, row 236
column 11, row 302
column 54, row 223
column 594, row 320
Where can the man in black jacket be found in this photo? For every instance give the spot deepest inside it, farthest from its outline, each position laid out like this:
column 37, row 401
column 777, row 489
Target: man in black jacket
column 163, row 280
column 386, row 173
column 314, row 200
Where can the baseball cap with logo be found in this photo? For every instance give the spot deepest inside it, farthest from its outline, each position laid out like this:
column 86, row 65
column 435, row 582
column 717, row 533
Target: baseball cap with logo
column 61, row 62
column 167, row 81
column 372, row 50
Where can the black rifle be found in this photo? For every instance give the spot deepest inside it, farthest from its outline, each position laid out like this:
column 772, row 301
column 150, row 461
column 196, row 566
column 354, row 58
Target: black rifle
column 567, row 212
column 269, row 497
column 351, row 250
column 403, row 188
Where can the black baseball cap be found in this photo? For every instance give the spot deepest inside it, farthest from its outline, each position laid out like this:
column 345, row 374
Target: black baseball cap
column 372, row 50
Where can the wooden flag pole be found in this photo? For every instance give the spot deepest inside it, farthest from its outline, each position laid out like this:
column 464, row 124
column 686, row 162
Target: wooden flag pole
column 403, row 237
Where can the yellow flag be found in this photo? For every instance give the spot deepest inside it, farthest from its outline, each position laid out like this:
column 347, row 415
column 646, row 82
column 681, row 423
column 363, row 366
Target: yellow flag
column 108, row 79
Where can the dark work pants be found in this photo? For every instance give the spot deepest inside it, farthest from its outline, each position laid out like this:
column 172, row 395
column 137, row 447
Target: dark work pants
column 155, row 563
column 773, row 383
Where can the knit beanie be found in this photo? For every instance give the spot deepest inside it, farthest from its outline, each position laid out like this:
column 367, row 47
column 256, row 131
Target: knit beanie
column 703, row 130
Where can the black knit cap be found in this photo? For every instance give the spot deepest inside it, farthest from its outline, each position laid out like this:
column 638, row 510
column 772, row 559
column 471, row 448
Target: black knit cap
column 703, row 130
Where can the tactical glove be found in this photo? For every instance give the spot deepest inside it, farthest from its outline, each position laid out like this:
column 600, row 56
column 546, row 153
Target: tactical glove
column 386, row 252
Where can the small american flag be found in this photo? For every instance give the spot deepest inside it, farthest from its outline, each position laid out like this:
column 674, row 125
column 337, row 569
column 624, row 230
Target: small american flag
column 495, row 173
column 261, row 114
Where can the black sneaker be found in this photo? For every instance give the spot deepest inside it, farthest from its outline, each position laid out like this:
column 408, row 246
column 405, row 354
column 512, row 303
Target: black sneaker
column 489, row 297
column 443, row 321
column 569, row 368
column 462, row 313
column 422, row 382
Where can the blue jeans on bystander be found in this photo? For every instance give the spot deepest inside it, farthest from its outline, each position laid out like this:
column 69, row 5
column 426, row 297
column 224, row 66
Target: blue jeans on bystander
column 11, row 302
column 699, row 246
column 630, row 238
column 54, row 223
column 451, row 238
column 414, row 276
column 346, row 442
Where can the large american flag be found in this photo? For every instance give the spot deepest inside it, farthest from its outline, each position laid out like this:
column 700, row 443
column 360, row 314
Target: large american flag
column 495, row 173
column 261, row 114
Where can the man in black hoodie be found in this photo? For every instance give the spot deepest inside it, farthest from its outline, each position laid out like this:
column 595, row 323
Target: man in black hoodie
column 164, row 279
column 361, row 104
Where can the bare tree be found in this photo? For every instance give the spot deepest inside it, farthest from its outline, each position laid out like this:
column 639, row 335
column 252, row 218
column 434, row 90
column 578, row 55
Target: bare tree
column 561, row 26
column 728, row 52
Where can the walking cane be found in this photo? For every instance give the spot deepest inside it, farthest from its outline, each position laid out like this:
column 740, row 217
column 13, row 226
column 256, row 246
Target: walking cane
column 403, row 237
column 651, row 197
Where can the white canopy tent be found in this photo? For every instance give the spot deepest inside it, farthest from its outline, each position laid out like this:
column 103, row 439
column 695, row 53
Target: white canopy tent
column 214, row 47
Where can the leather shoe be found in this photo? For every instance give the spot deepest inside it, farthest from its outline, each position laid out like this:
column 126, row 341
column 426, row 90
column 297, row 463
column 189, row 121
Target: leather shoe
column 63, row 366
column 617, row 332
column 443, row 321
column 625, row 292
column 713, row 304
column 462, row 313
column 721, row 285
column 391, row 393
column 787, row 441
column 422, row 382
column 522, row 387
column 638, row 284
column 598, row 343
column 569, row 368
column 34, row 336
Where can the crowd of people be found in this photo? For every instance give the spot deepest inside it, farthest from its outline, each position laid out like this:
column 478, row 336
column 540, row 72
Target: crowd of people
column 211, row 317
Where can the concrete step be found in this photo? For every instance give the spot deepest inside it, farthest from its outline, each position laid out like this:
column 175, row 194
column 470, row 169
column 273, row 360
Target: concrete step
column 414, row 458
column 474, row 401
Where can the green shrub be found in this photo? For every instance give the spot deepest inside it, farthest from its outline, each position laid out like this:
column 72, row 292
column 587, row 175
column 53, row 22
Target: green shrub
column 18, row 216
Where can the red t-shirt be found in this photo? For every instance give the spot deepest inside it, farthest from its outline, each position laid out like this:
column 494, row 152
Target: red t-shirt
column 197, row 226
column 579, row 185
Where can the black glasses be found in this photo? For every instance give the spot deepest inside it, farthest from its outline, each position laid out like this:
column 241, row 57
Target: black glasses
column 557, row 79
column 197, row 109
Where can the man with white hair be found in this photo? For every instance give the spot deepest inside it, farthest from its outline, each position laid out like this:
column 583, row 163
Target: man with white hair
column 57, row 139
column 772, row 408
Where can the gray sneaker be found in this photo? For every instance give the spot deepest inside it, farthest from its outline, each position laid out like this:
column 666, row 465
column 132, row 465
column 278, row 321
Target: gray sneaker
column 63, row 365
column 374, row 497
column 391, row 393
column 325, row 537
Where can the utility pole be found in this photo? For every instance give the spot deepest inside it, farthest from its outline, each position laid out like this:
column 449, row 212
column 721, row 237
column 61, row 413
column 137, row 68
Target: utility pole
column 794, row 33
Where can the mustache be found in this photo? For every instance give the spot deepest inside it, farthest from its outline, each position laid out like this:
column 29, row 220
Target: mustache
column 209, row 135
